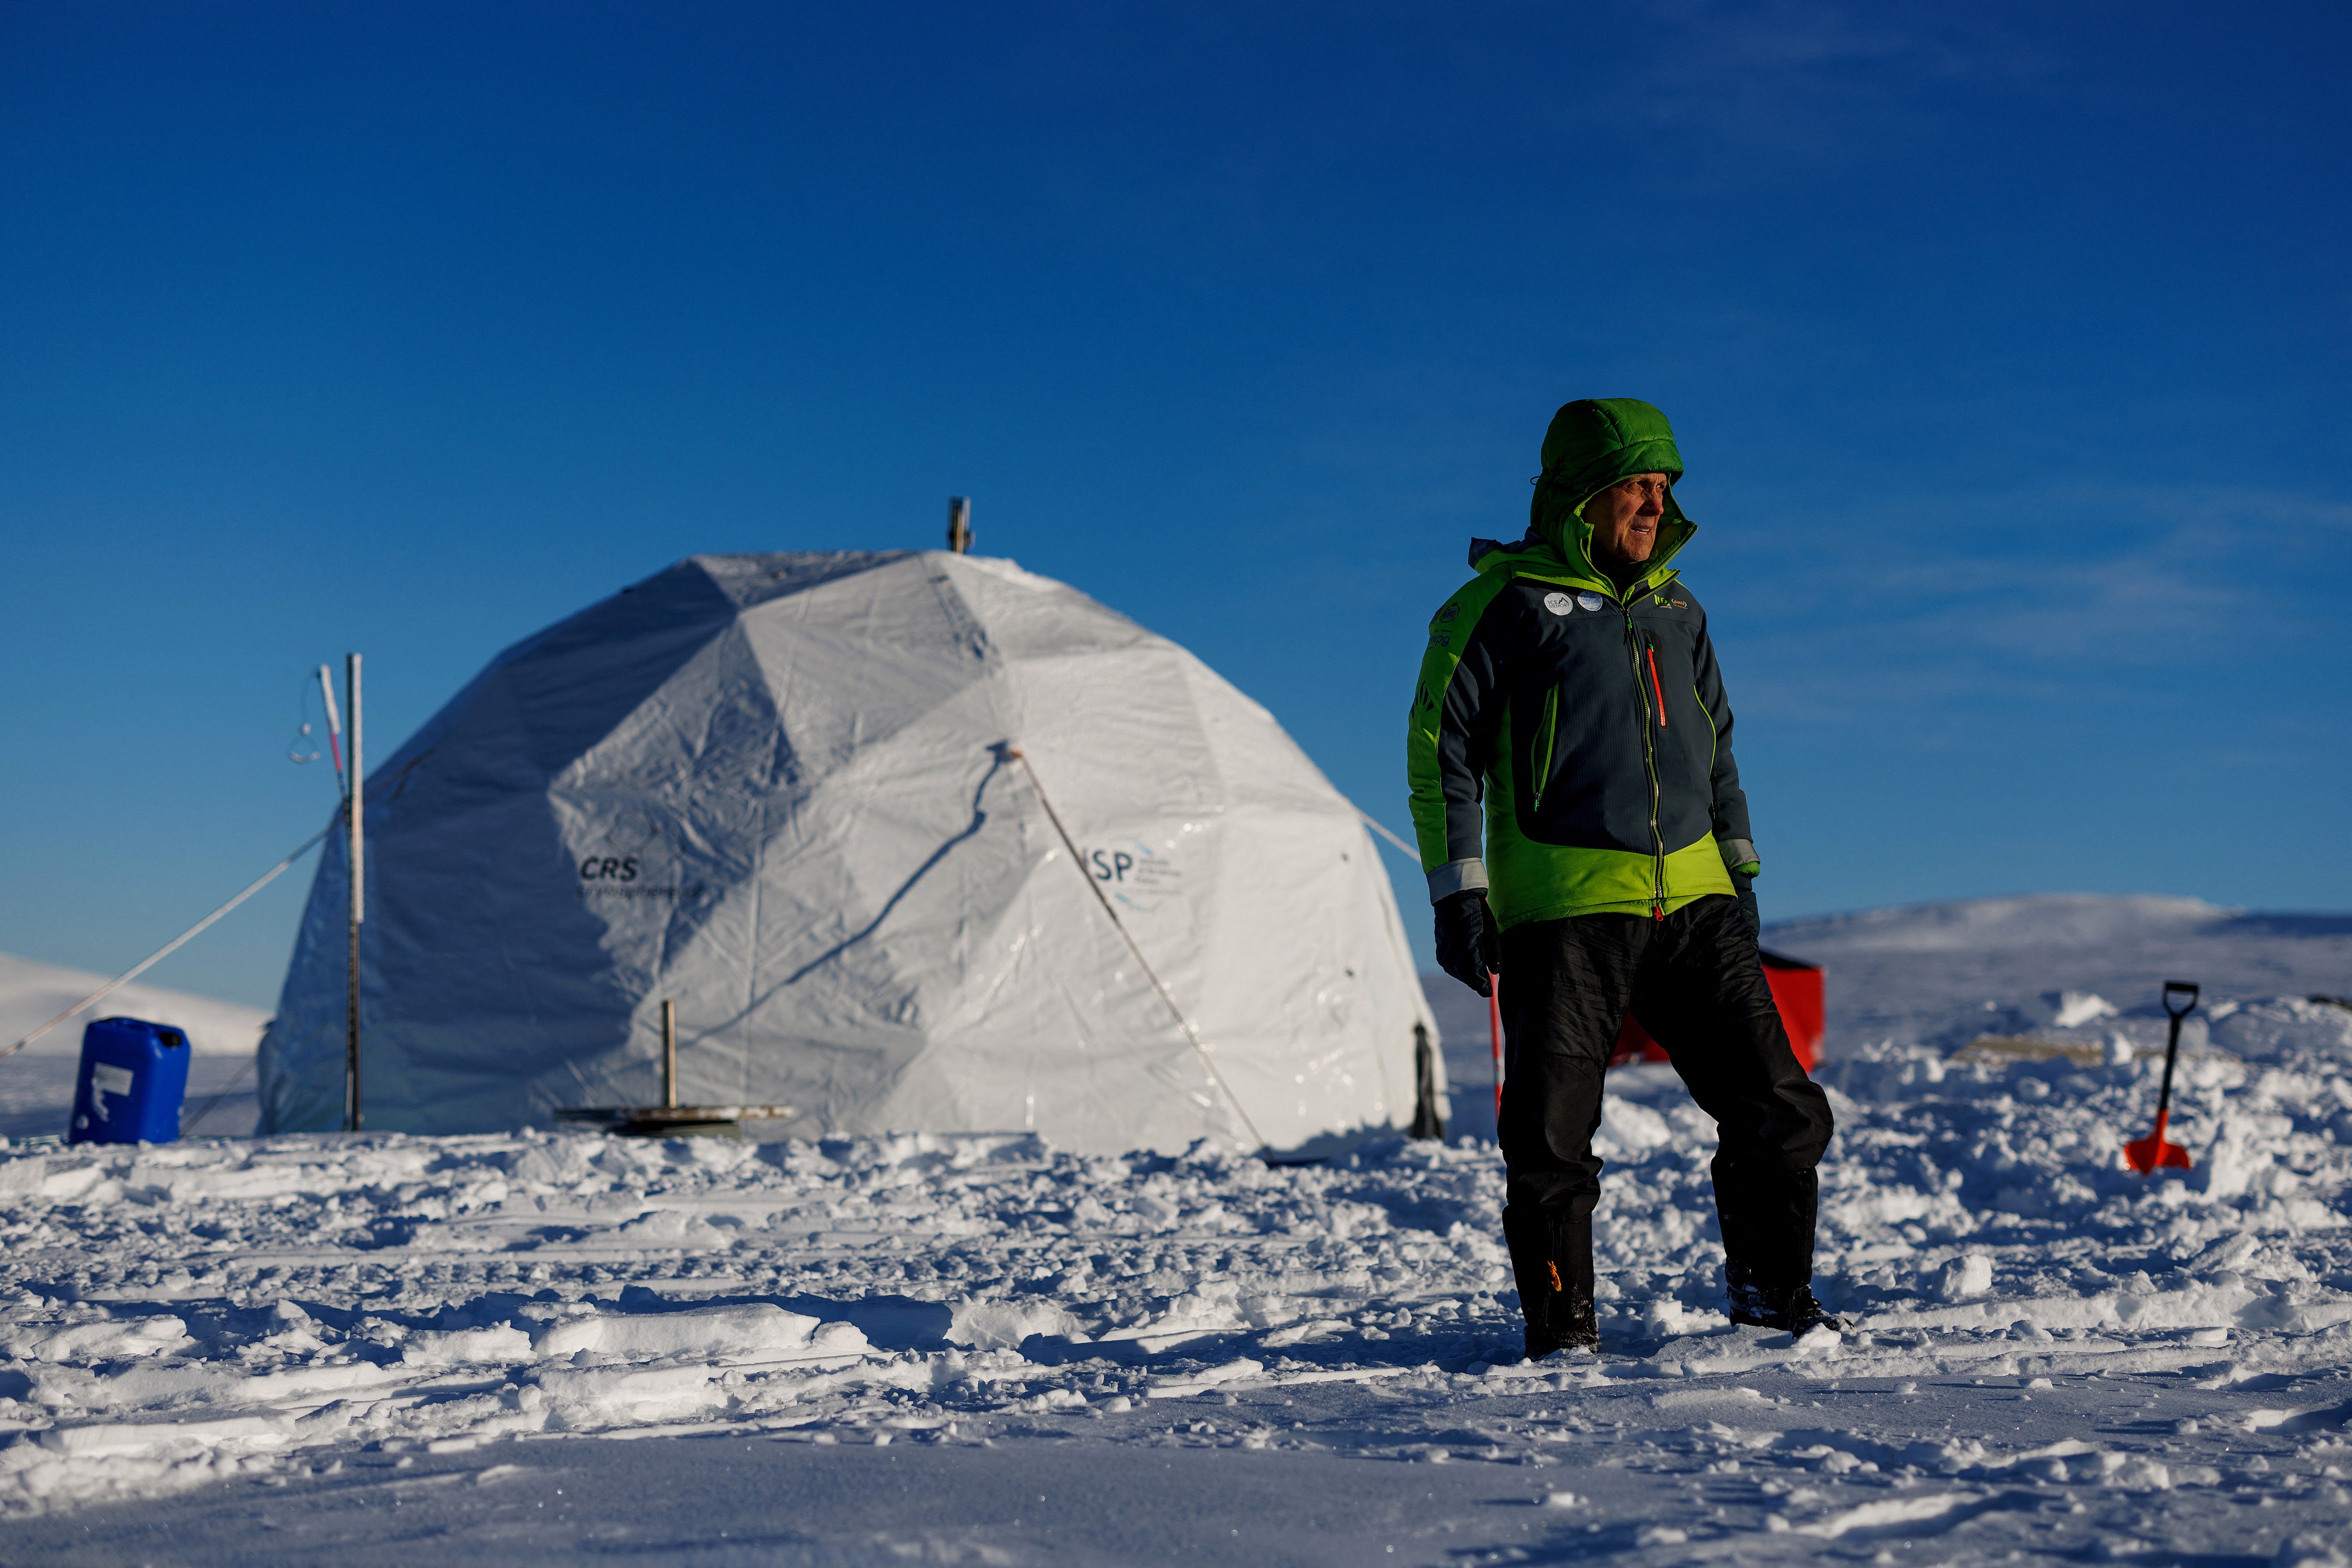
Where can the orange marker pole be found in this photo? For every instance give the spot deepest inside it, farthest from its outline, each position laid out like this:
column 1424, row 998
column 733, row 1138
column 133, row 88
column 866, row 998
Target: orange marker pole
column 1494, row 1029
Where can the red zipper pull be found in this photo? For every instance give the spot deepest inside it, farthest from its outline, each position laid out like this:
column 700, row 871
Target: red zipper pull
column 1657, row 685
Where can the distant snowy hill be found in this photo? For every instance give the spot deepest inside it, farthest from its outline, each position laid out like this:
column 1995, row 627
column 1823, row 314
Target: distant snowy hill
column 2070, row 920
column 1943, row 973
column 37, row 1083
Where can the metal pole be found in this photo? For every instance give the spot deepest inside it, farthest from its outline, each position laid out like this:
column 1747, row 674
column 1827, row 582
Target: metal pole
column 960, row 524
column 670, row 1055
column 355, row 813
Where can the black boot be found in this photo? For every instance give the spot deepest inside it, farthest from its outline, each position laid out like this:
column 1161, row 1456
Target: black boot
column 1790, row 1308
column 1768, row 1216
column 1551, row 1255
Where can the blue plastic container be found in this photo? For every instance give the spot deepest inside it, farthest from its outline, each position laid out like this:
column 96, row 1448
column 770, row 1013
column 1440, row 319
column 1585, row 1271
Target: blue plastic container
column 133, row 1077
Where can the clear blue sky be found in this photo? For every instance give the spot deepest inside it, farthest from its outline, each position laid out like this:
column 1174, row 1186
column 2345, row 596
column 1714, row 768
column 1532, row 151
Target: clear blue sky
column 2008, row 345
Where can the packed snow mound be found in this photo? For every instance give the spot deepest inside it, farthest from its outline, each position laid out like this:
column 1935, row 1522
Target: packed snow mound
column 2047, row 1353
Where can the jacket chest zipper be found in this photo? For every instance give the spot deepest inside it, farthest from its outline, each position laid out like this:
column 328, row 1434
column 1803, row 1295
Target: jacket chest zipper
column 1644, row 648
column 1545, row 738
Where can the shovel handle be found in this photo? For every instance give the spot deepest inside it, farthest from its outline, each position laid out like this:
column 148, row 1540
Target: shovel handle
column 2172, row 1045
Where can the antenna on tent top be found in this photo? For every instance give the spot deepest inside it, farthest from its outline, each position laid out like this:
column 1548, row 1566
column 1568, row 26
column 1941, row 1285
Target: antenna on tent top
column 960, row 524
column 302, row 747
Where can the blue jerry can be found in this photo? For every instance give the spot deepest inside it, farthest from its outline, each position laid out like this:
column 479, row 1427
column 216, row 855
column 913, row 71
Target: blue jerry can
column 134, row 1075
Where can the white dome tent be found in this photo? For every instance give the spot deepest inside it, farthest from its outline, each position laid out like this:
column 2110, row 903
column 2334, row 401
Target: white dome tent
column 828, row 804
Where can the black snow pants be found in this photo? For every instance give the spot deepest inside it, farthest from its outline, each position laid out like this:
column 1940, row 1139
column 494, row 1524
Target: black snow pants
column 1695, row 983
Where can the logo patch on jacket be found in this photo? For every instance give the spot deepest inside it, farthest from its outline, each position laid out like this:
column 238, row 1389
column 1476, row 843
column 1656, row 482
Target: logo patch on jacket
column 1590, row 601
column 1559, row 603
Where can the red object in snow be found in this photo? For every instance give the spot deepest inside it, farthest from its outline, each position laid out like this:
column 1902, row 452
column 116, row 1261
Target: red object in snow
column 1495, row 1027
column 1796, row 990
column 2145, row 1154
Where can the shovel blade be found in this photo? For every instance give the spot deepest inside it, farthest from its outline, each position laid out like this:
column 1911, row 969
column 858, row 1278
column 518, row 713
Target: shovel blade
column 2146, row 1154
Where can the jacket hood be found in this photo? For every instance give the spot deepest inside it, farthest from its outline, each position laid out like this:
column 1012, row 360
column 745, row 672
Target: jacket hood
column 1593, row 442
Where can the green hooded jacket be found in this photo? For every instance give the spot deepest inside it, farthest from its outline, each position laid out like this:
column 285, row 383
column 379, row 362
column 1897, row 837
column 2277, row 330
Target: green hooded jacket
column 1582, row 727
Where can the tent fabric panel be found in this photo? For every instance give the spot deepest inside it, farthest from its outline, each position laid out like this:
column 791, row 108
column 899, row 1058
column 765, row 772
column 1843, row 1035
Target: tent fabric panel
column 1028, row 616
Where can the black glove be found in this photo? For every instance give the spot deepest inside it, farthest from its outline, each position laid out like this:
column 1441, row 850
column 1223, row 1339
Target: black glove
column 1745, row 889
column 1467, row 945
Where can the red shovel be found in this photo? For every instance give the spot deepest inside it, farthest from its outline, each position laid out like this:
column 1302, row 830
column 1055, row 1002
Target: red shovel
column 2146, row 1154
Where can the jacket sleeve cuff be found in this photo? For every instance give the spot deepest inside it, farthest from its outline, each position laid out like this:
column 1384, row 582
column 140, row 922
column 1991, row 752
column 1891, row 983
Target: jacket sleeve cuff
column 1456, row 877
column 1739, row 853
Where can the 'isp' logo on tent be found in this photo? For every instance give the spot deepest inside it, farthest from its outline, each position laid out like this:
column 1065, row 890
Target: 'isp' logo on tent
column 1138, row 878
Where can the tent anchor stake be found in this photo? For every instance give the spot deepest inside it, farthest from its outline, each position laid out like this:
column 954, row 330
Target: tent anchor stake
column 670, row 1055
column 669, row 1119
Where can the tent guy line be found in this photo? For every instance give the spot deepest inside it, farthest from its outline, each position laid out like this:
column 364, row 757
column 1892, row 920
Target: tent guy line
column 177, row 942
column 188, row 1127
column 169, row 948
column 1377, row 825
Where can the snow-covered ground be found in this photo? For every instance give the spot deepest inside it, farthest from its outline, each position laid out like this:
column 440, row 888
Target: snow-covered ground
column 980, row 1350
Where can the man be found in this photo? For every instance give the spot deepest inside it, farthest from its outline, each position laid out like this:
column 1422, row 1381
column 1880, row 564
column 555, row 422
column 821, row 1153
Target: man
column 1570, row 690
